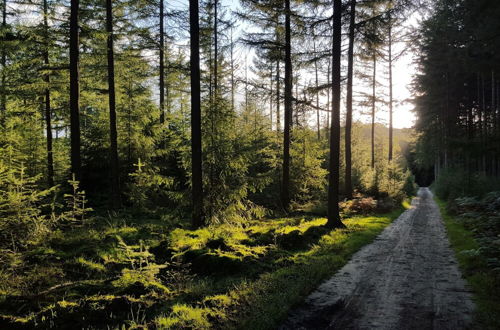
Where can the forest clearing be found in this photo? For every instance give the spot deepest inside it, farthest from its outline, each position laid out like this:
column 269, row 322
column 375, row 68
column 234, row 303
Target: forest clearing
column 276, row 164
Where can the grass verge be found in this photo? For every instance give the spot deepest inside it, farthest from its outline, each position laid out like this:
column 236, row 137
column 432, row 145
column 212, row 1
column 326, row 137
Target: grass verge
column 483, row 281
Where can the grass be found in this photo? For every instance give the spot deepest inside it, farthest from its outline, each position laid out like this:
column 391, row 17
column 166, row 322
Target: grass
column 137, row 273
column 484, row 282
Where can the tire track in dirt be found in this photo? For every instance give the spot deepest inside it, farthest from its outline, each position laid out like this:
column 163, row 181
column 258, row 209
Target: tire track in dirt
column 408, row 278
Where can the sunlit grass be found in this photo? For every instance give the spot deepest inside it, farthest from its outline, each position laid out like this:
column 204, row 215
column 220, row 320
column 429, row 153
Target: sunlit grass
column 134, row 273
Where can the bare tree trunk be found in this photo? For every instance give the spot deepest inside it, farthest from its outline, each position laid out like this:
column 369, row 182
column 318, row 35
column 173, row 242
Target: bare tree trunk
column 334, row 177
column 3, row 90
column 374, row 100
column 196, row 152
column 113, row 135
column 48, row 111
column 278, row 97
column 390, row 92
column 328, row 92
column 348, row 120
column 271, row 94
column 216, row 50
column 232, row 72
column 162, row 63
column 74, row 76
column 318, row 123
column 285, row 190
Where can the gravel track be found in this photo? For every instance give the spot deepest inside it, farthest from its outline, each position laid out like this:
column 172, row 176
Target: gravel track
column 408, row 278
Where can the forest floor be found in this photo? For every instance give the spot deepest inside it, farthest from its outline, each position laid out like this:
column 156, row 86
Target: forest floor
column 125, row 271
column 407, row 279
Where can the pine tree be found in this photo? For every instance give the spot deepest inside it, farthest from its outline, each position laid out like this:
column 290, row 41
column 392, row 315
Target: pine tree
column 196, row 185
column 113, row 135
column 334, row 168
column 74, row 50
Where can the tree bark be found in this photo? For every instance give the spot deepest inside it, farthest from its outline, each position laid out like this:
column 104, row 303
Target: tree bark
column 196, row 152
column 348, row 120
column 48, row 111
column 328, row 92
column 334, row 167
column 278, row 97
column 113, row 135
column 232, row 72
column 162, row 63
column 285, row 190
column 390, row 92
column 271, row 97
column 318, row 124
column 74, row 76
column 374, row 100
column 216, row 50
column 3, row 97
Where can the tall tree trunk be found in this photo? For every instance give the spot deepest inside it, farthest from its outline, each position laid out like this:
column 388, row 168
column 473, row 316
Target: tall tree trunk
column 74, row 103
column 246, row 85
column 113, row 135
column 390, row 91
column 196, row 153
column 162, row 63
column 285, row 190
column 328, row 92
column 3, row 90
column 278, row 97
column 318, row 123
column 216, row 50
column 48, row 111
column 348, row 119
column 374, row 101
column 271, row 94
column 232, row 72
column 334, row 168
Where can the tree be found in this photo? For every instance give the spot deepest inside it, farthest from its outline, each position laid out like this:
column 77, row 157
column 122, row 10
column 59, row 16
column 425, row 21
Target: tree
column 48, row 110
column 390, row 83
column 74, row 54
column 196, row 155
column 334, row 168
column 113, row 135
column 3, row 59
column 285, row 190
column 162, row 63
column 348, row 121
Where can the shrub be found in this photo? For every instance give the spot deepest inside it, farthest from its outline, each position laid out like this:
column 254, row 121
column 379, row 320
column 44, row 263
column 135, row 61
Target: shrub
column 21, row 217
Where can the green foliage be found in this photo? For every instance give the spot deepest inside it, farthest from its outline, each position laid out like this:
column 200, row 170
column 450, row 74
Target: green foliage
column 216, row 277
column 148, row 189
column 76, row 204
column 308, row 176
column 472, row 227
column 452, row 183
column 21, row 202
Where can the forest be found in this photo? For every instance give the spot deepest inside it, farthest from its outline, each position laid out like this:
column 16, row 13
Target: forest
column 207, row 164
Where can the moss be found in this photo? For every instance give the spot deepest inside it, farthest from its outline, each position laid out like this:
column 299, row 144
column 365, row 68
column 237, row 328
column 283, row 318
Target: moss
column 90, row 265
column 223, row 276
column 185, row 317
column 138, row 282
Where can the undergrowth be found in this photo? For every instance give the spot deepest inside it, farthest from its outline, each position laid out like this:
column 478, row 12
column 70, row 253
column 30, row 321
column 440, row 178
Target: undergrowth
column 473, row 229
column 128, row 272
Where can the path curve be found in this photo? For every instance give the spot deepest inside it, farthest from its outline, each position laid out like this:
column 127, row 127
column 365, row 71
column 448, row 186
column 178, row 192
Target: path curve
column 408, row 278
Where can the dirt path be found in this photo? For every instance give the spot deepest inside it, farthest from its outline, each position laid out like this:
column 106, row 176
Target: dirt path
column 407, row 279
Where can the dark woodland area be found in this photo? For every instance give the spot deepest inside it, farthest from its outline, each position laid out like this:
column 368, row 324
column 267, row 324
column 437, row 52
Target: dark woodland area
column 207, row 164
